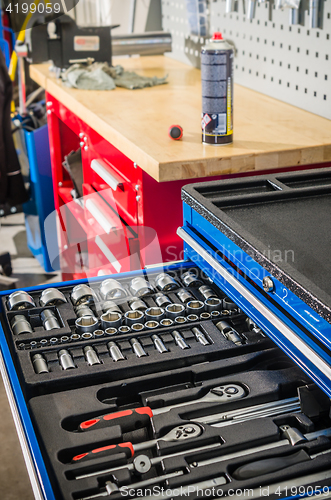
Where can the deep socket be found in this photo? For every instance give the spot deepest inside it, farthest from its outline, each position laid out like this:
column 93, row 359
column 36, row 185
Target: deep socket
column 192, row 317
column 83, row 310
column 137, row 348
column 51, row 297
column 154, row 314
column 229, row 332
column 86, row 324
column 166, row 322
column 180, row 341
column 184, row 296
column 150, row 325
column 159, row 345
column 195, row 307
column 137, row 304
column 110, row 306
column 161, row 300
column 66, row 360
column 165, row 282
column 132, row 317
column 180, row 320
column 174, row 310
column 98, row 333
column 39, row 364
column 204, row 316
column 91, row 356
column 115, row 352
column 20, row 325
column 207, row 292
column 190, row 279
column 213, row 304
column 111, row 331
column 82, row 294
column 200, row 336
column 20, row 300
column 111, row 320
column 137, row 327
column 140, row 287
column 112, row 289
column 49, row 320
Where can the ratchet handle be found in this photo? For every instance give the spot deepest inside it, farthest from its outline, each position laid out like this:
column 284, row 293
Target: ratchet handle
column 106, row 451
column 127, row 419
column 266, row 466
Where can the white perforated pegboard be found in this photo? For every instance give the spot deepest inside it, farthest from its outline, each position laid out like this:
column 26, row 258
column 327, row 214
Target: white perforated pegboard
column 290, row 63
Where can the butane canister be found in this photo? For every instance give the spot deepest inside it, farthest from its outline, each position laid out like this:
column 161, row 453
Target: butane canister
column 217, row 91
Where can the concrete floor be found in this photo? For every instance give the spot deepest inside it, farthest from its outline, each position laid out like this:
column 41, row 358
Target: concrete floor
column 14, row 480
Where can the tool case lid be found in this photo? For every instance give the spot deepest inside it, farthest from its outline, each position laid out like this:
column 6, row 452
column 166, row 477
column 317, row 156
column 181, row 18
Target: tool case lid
column 283, row 221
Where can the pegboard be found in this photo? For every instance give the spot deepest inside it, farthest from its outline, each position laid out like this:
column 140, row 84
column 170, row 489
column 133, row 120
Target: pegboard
column 289, row 63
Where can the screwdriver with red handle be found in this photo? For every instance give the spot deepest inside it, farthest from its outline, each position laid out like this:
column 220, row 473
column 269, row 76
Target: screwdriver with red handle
column 179, row 433
column 140, row 417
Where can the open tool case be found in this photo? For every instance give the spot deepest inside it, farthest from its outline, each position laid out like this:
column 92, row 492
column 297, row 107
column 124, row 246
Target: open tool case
column 226, row 381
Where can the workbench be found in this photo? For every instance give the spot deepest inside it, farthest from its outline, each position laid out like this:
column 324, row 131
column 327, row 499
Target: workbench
column 136, row 180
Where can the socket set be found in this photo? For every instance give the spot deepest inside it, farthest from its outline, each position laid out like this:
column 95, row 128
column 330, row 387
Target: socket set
column 118, row 405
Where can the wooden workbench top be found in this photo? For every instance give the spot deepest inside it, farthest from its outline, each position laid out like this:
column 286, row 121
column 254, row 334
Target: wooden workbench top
column 268, row 133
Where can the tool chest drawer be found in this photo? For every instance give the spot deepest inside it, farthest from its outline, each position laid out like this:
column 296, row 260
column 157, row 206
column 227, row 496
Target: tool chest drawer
column 157, row 379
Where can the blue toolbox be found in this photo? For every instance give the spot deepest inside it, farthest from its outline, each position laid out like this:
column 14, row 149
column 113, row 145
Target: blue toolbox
column 206, row 378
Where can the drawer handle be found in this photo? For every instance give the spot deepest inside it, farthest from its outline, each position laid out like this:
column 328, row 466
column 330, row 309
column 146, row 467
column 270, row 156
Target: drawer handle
column 287, row 332
column 100, row 168
column 101, row 219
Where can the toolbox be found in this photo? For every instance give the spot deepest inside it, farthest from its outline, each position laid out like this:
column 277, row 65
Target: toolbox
column 206, row 378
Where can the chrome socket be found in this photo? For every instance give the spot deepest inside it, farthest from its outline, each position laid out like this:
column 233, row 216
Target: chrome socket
column 83, row 310
column 33, row 343
column 110, row 306
column 98, row 333
column 51, row 297
column 190, row 279
column 124, row 329
column 74, row 337
column 111, row 320
column 165, row 282
column 200, row 336
column 49, row 320
column 53, row 340
column 20, row 300
column 215, row 314
column 174, row 310
column 150, row 325
column 195, row 307
column 180, row 320
column 213, row 304
column 185, row 296
column 82, row 294
column 39, row 364
column 86, row 324
column 64, row 339
column 112, row 289
column 137, row 304
column 154, row 314
column 166, row 322
column 204, row 316
column 207, row 292
column 111, row 331
column 229, row 304
column 180, row 341
column 192, row 317
column 137, row 327
column 229, row 332
column 137, row 348
column 140, row 287
column 87, row 336
column 44, row 342
column 66, row 360
column 91, row 356
column 132, row 317
column 115, row 352
column 159, row 344
column 161, row 300
column 20, row 325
